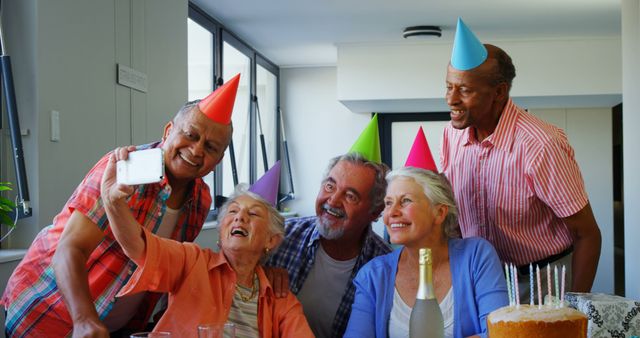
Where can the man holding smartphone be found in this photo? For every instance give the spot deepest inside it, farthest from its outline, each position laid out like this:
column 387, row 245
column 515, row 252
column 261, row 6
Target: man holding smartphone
column 67, row 282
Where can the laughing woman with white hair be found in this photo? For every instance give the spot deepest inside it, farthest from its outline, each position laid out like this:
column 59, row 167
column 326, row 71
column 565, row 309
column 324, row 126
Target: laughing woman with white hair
column 207, row 287
column 420, row 212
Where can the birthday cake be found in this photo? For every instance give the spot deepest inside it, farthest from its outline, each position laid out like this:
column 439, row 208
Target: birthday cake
column 533, row 322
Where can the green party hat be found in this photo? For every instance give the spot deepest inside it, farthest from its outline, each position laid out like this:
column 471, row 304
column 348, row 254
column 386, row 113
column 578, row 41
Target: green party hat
column 368, row 143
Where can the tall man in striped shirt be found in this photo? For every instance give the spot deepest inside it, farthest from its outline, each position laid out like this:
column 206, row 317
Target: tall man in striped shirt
column 515, row 178
column 67, row 282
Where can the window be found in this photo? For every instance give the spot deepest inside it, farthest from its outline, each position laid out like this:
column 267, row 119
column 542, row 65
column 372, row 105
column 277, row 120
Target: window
column 236, row 62
column 200, row 60
column 200, row 68
column 267, row 116
column 216, row 55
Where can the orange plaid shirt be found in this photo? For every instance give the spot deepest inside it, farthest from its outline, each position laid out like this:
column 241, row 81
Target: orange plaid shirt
column 34, row 305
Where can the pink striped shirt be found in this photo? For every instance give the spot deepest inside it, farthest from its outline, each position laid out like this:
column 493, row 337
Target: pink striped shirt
column 514, row 187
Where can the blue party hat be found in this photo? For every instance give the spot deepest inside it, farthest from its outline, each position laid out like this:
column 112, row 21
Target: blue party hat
column 468, row 52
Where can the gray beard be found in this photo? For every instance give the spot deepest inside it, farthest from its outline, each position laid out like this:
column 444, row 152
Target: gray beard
column 329, row 232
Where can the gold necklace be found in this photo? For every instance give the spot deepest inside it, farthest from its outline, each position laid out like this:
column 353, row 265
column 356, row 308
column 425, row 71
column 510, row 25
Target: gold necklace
column 254, row 290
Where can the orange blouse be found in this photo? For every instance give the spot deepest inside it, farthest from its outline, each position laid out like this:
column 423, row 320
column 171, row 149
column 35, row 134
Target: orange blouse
column 201, row 286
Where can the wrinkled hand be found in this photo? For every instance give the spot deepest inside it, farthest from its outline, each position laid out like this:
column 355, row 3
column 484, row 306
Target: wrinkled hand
column 110, row 190
column 279, row 279
column 89, row 329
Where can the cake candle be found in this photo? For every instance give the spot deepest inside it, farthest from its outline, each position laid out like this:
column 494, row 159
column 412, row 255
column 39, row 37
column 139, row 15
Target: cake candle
column 555, row 272
column 515, row 274
column 564, row 271
column 549, row 294
column 507, row 275
column 531, row 284
column 513, row 282
column 539, row 287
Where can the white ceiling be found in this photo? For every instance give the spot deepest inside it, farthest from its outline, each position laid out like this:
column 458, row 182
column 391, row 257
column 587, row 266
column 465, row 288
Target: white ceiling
column 294, row 33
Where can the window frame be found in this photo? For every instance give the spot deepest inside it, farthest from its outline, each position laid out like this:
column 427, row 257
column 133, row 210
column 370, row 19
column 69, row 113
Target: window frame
column 386, row 120
column 221, row 35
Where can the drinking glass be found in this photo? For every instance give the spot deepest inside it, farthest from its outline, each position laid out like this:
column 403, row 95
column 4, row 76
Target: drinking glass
column 226, row 330
column 151, row 335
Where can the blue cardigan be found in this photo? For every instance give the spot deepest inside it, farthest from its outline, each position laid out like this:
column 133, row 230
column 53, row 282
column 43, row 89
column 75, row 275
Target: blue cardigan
column 479, row 287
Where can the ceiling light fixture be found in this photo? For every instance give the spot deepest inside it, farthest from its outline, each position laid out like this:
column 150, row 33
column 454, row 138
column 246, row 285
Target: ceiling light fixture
column 422, row 31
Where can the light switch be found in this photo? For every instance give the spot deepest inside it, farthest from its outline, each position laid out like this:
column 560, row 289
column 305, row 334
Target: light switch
column 55, row 126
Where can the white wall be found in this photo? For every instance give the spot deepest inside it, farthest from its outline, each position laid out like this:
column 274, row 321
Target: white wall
column 318, row 128
column 64, row 55
column 631, row 139
column 410, row 77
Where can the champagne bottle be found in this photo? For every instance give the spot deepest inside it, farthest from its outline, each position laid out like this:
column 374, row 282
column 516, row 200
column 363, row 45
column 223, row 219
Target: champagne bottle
column 426, row 319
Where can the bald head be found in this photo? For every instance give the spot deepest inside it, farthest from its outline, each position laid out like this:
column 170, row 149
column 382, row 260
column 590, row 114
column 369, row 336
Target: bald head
column 503, row 70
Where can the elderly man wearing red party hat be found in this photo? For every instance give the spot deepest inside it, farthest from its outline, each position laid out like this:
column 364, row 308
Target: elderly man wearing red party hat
column 514, row 176
column 68, row 280
column 323, row 253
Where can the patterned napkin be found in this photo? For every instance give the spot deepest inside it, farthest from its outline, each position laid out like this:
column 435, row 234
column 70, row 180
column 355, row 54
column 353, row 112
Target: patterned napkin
column 609, row 316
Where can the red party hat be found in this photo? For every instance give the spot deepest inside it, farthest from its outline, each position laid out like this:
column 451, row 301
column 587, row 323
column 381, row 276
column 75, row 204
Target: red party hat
column 218, row 106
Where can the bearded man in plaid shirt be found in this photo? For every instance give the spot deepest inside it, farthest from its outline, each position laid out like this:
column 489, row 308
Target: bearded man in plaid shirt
column 323, row 253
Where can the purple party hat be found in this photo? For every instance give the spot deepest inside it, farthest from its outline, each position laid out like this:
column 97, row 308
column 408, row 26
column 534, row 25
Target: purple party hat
column 267, row 185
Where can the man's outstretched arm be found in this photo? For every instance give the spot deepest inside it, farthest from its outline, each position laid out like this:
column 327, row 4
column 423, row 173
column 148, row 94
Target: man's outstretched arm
column 78, row 240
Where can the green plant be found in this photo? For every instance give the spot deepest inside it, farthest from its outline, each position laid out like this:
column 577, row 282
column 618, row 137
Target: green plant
column 6, row 205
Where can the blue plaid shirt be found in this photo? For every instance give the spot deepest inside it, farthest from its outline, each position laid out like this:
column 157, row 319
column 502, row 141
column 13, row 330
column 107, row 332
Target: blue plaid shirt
column 297, row 254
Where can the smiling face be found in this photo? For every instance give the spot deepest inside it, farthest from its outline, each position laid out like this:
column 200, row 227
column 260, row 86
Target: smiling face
column 409, row 216
column 343, row 205
column 474, row 99
column 245, row 228
column 193, row 146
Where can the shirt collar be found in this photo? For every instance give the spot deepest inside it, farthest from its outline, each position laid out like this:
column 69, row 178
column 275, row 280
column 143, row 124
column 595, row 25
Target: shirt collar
column 265, row 285
column 315, row 235
column 503, row 136
column 196, row 187
column 219, row 260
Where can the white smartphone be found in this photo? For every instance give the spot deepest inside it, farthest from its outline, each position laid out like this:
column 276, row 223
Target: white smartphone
column 142, row 167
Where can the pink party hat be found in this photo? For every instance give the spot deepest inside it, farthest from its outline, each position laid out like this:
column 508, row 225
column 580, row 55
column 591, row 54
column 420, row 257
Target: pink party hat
column 267, row 185
column 420, row 154
column 218, row 105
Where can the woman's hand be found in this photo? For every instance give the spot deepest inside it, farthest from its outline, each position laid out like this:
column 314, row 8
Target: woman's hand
column 110, row 190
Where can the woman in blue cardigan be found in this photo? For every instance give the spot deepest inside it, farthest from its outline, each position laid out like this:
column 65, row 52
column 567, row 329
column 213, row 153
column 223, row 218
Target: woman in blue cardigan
column 420, row 211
